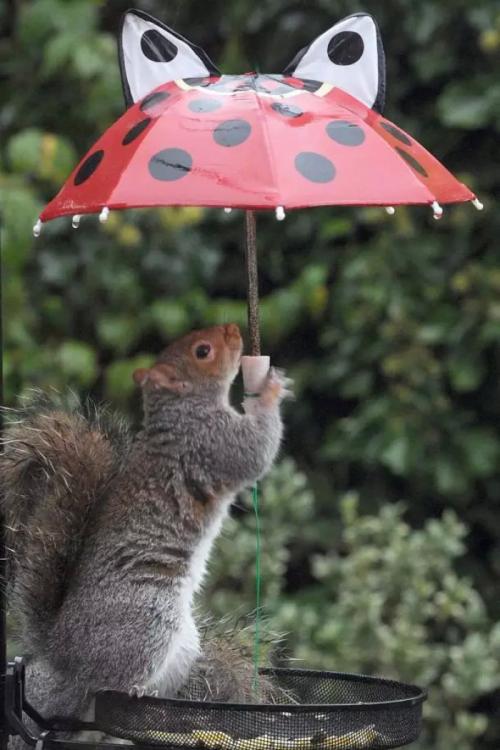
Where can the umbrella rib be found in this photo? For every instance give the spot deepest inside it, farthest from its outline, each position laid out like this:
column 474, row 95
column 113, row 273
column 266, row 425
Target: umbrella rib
column 269, row 149
column 432, row 196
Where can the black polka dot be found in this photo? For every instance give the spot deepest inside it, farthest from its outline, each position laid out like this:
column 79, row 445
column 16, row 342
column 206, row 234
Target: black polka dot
column 222, row 84
column 88, row 167
column 394, row 131
column 197, row 81
column 346, row 133
column 135, row 131
column 232, row 132
column 345, row 48
column 157, row 47
column 287, row 110
column 283, row 88
column 303, row 84
column 170, row 164
column 310, row 85
column 205, row 105
column 314, row 167
column 151, row 100
column 414, row 164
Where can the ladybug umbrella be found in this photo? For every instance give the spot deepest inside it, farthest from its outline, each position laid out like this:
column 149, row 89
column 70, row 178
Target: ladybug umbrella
column 312, row 136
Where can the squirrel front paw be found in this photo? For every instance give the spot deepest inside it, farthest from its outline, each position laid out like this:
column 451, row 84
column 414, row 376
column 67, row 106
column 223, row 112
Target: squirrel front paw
column 276, row 388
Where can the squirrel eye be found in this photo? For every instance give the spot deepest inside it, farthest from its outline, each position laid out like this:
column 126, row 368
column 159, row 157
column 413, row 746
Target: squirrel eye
column 202, row 351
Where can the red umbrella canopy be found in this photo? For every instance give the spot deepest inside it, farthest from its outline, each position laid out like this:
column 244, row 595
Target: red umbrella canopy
column 309, row 137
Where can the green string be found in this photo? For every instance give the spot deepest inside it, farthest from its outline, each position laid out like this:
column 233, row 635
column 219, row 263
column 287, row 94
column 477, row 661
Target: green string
column 256, row 649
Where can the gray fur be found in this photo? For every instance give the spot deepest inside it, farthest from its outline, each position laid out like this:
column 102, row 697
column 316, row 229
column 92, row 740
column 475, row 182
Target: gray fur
column 124, row 620
column 58, row 459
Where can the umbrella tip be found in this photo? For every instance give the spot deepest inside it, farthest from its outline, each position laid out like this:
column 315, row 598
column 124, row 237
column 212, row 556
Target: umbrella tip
column 103, row 216
column 437, row 210
column 75, row 221
column 477, row 204
column 227, row 210
column 280, row 213
column 390, row 210
column 37, row 228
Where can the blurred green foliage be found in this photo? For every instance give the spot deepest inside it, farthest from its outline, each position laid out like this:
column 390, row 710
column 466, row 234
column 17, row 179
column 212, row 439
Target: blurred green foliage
column 381, row 598
column 390, row 326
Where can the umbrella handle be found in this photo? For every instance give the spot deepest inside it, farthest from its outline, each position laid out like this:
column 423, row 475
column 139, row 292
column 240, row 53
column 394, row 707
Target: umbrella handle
column 254, row 371
column 252, row 283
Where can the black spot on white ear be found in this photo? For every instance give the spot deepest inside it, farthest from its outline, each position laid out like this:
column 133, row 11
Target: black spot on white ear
column 345, row 48
column 152, row 54
column 350, row 56
column 157, row 47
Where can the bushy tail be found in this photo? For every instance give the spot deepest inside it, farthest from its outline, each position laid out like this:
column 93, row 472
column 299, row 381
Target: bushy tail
column 225, row 670
column 58, row 459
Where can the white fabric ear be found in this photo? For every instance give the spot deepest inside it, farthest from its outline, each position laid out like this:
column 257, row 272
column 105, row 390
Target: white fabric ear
column 152, row 54
column 349, row 55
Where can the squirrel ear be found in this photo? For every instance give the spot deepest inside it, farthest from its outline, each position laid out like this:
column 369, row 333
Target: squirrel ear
column 151, row 54
column 349, row 55
column 165, row 376
column 141, row 376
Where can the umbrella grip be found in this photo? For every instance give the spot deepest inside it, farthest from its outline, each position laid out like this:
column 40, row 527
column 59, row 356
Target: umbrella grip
column 254, row 371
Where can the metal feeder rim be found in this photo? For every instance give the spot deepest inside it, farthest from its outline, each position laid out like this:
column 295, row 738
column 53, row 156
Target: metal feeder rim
column 419, row 696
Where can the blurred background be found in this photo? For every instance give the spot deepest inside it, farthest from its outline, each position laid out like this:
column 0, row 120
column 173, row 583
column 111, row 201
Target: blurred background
column 381, row 522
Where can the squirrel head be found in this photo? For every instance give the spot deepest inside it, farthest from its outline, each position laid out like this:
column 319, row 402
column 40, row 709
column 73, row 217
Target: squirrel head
column 203, row 362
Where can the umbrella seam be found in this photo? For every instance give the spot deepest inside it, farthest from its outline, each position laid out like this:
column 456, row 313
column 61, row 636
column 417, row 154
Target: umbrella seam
column 400, row 159
column 268, row 147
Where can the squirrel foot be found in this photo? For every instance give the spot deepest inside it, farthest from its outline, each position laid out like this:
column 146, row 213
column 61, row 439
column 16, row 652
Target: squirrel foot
column 140, row 691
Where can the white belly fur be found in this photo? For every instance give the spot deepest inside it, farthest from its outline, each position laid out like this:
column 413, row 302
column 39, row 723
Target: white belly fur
column 184, row 645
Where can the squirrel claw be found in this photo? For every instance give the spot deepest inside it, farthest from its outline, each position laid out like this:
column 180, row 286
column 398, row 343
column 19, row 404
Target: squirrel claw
column 278, row 376
column 277, row 386
column 137, row 691
column 140, row 691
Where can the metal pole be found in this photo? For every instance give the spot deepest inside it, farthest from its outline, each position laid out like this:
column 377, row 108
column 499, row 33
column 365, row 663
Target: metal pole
column 3, row 559
column 253, row 283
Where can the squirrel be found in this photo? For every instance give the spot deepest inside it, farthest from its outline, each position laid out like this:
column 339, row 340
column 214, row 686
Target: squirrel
column 110, row 533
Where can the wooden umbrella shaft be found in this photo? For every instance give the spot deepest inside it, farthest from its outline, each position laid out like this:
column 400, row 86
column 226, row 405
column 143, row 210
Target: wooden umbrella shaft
column 253, row 283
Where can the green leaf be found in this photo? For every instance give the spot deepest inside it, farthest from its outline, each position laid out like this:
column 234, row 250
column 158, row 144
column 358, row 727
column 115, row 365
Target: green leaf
column 397, row 454
column 171, row 319
column 481, row 450
column 42, row 154
column 469, row 106
column 118, row 332
column 78, row 362
column 466, row 371
column 20, row 210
